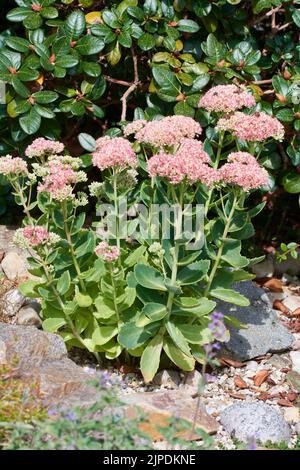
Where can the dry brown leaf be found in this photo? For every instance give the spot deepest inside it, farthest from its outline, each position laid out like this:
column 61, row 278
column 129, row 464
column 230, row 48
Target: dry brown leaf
column 283, row 402
column 239, row 396
column 225, row 361
column 278, row 305
column 261, row 377
column 270, row 381
column 274, row 285
column 125, row 369
column 239, row 382
column 264, row 396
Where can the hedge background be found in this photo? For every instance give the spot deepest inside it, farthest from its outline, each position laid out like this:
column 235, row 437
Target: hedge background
column 84, row 66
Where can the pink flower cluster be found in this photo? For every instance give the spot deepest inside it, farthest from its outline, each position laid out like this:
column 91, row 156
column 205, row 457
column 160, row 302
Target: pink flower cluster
column 43, row 148
column 254, row 128
column 58, row 179
column 190, row 162
column 35, row 235
column 12, row 166
column 243, row 170
column 134, row 126
column 108, row 252
column 226, row 99
column 166, row 132
column 114, row 152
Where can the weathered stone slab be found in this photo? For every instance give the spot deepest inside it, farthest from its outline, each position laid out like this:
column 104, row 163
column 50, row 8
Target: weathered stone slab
column 161, row 406
column 253, row 420
column 263, row 332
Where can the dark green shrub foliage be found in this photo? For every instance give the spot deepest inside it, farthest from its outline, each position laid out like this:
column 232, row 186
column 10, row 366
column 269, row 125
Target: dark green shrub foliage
column 82, row 66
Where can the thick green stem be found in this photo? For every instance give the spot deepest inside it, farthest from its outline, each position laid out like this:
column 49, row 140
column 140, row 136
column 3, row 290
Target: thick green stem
column 178, row 226
column 71, row 247
column 25, row 203
column 173, row 279
column 221, row 247
column 116, row 208
column 215, row 166
column 115, row 291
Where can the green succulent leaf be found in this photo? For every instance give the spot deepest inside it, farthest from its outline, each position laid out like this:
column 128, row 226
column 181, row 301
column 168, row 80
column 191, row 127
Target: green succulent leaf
column 149, row 277
column 151, row 357
column 180, row 359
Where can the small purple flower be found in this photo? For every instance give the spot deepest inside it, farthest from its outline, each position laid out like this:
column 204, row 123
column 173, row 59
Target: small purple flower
column 70, row 416
column 217, row 327
column 219, row 333
column 52, row 412
column 210, row 378
column 105, row 379
column 252, row 444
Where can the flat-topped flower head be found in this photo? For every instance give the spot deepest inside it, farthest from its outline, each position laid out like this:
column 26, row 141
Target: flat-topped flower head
column 114, row 152
column 34, row 236
column 243, row 170
column 108, row 253
column 59, row 179
column 74, row 162
column 10, row 166
column 191, row 166
column 192, row 148
column 168, row 131
column 134, row 126
column 253, row 128
column 226, row 99
column 44, row 148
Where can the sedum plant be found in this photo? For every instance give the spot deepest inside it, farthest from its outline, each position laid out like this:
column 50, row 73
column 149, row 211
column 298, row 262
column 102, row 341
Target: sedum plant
column 69, row 66
column 172, row 216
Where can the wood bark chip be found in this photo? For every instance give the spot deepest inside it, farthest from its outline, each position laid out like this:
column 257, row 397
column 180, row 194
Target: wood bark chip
column 238, row 396
column 274, row 285
column 278, row 305
column 261, row 377
column 239, row 382
column 226, row 362
column 283, row 402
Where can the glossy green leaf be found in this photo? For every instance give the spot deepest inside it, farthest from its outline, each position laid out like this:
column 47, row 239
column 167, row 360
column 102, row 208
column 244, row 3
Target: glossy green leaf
column 75, row 24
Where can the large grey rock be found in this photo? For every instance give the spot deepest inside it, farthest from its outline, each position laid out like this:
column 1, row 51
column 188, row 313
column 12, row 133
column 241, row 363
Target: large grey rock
column 28, row 316
column 11, row 302
column 41, row 358
column 290, row 266
column 30, row 346
column 263, row 333
column 264, row 269
column 13, row 266
column 246, row 421
column 280, row 361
